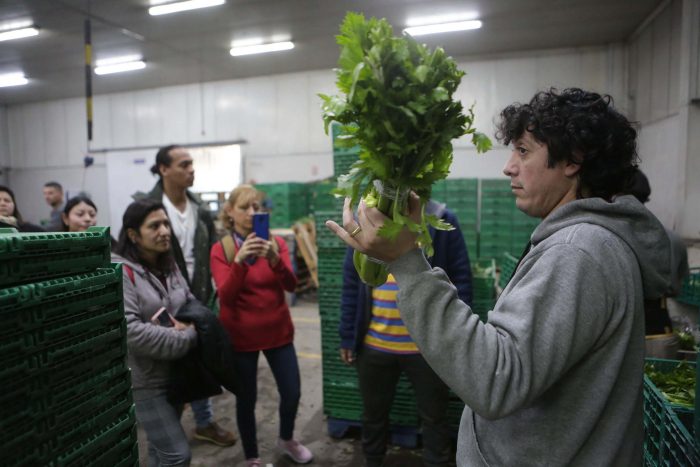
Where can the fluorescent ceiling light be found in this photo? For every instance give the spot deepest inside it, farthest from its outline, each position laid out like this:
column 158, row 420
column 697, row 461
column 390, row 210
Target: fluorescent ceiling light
column 18, row 34
column 437, row 19
column 12, row 79
column 115, row 60
column 261, row 48
column 443, row 27
column 177, row 7
column 118, row 65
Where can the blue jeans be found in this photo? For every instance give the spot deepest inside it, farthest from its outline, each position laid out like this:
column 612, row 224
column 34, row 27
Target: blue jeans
column 202, row 412
column 167, row 442
column 285, row 368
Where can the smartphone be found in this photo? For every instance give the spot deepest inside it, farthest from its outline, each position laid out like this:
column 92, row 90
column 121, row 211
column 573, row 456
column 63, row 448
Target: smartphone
column 162, row 318
column 261, row 225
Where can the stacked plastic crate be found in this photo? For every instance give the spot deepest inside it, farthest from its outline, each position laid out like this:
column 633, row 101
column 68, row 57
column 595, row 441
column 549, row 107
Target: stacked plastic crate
column 66, row 390
column 462, row 198
column 288, row 202
column 341, row 396
column 669, row 427
column 502, row 226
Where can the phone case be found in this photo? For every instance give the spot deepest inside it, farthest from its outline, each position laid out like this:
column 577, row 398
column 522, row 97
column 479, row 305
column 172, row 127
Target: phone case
column 261, row 225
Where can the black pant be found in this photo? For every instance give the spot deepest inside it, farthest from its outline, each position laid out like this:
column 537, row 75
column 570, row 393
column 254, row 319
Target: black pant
column 378, row 374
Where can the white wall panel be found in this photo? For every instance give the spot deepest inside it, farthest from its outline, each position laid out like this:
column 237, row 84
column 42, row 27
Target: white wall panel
column 208, row 96
column 195, row 125
column 4, row 138
column 76, row 130
column 173, row 103
column 642, row 92
column 101, row 122
column 230, row 104
column 258, row 126
column 34, row 130
column 15, row 131
column 661, row 60
column 320, row 82
column 28, row 184
column 124, row 121
column 292, row 123
column 55, row 134
column 674, row 68
column 148, row 118
column 296, row 168
column 663, row 163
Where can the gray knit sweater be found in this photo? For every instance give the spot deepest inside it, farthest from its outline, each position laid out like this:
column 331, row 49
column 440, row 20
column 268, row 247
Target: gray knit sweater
column 555, row 376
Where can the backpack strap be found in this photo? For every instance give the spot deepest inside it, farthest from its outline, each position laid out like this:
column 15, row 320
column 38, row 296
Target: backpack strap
column 229, row 246
column 129, row 272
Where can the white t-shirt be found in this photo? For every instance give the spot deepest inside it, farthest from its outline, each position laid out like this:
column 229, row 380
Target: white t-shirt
column 183, row 226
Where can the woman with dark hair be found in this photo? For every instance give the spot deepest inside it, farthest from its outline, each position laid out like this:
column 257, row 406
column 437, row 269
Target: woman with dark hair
column 154, row 291
column 9, row 214
column 79, row 213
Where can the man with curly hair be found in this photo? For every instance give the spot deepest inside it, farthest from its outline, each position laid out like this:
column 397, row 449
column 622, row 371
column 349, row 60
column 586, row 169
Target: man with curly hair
column 555, row 376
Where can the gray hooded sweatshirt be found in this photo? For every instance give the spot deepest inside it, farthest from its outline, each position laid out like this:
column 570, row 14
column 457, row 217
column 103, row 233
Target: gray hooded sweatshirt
column 151, row 348
column 555, row 376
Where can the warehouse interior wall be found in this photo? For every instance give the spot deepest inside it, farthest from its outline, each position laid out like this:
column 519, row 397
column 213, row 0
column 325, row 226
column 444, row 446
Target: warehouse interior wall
column 4, row 143
column 278, row 117
column 663, row 82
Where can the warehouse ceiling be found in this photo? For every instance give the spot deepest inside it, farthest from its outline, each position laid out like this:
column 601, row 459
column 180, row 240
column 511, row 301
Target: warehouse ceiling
column 193, row 46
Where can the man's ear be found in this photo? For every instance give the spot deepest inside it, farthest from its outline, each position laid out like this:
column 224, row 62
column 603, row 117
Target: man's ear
column 571, row 169
column 162, row 169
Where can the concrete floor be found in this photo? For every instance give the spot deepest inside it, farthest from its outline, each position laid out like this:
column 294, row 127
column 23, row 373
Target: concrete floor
column 311, row 426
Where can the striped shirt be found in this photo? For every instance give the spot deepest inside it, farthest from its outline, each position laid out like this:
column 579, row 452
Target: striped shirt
column 387, row 332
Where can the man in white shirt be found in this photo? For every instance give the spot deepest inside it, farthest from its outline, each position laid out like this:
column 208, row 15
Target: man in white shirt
column 193, row 227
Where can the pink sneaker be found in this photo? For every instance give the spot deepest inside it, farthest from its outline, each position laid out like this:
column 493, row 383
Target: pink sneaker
column 297, row 451
column 253, row 462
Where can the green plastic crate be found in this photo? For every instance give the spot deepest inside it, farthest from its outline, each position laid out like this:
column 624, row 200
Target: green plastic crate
column 668, row 436
column 31, row 257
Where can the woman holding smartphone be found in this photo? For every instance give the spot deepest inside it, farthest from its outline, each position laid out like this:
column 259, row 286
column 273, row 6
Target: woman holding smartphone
column 251, row 275
column 154, row 290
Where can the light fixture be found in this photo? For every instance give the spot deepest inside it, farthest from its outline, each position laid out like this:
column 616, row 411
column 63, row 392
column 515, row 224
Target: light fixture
column 239, row 50
column 443, row 27
column 177, row 7
column 18, row 34
column 12, row 79
column 119, row 64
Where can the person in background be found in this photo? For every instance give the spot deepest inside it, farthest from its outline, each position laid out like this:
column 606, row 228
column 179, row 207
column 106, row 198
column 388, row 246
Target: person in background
column 251, row 275
column 9, row 213
column 53, row 195
column 555, row 376
column 152, row 281
column 78, row 214
column 193, row 229
column 661, row 341
column 375, row 339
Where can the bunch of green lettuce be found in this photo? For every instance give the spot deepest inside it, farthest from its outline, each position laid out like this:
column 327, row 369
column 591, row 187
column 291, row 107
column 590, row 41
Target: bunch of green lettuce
column 396, row 104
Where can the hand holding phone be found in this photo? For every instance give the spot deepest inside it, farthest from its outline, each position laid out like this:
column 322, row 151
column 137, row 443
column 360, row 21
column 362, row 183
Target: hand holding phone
column 261, row 225
column 162, row 318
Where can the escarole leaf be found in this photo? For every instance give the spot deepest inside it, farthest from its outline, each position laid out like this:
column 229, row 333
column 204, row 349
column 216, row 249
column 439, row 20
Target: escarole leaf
column 396, row 101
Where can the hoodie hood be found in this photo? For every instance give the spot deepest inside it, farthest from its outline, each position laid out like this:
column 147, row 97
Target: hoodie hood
column 627, row 218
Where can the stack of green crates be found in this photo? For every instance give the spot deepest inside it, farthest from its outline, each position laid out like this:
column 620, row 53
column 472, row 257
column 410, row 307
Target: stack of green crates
column 462, row 198
column 320, row 196
column 669, row 437
column 289, row 202
column 341, row 396
column 502, row 226
column 507, row 264
column 343, row 157
column 66, row 389
column 483, row 287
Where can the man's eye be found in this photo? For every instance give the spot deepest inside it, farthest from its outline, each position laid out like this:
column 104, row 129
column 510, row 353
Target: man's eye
column 521, row 150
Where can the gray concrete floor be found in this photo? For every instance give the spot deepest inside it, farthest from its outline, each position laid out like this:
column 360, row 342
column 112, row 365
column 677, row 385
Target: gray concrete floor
column 311, row 424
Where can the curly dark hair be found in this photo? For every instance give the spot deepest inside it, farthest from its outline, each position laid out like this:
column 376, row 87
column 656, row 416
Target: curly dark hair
column 580, row 127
